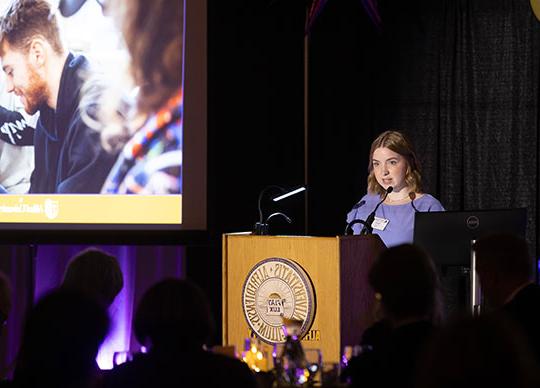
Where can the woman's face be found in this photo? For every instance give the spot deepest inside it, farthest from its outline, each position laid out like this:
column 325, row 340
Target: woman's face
column 389, row 168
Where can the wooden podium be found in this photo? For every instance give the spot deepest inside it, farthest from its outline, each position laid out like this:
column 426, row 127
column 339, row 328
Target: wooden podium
column 337, row 267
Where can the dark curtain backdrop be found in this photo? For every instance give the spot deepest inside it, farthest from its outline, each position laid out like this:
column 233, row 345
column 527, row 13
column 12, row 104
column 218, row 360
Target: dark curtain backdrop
column 460, row 77
column 255, row 111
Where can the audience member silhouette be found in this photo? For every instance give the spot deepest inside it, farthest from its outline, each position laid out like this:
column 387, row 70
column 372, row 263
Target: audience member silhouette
column 407, row 287
column 173, row 320
column 5, row 308
column 483, row 352
column 5, row 300
column 62, row 335
column 506, row 273
column 95, row 273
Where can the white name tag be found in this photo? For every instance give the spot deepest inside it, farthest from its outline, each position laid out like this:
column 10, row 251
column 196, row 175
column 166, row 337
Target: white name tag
column 380, row 223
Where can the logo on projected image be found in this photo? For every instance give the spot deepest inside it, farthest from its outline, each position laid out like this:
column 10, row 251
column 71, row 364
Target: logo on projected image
column 52, row 208
column 19, row 206
column 276, row 289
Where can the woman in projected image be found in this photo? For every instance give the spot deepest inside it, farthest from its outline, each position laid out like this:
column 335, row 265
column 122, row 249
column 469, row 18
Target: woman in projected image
column 393, row 163
column 148, row 128
column 151, row 158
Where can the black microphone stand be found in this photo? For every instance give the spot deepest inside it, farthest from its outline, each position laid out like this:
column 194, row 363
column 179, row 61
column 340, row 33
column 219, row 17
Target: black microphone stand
column 368, row 229
column 348, row 228
column 261, row 227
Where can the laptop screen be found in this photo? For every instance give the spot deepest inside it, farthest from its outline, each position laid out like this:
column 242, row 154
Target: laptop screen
column 447, row 236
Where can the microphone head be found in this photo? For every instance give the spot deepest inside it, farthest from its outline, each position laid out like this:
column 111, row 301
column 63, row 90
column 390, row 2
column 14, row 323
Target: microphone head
column 359, row 204
column 389, row 189
column 412, row 195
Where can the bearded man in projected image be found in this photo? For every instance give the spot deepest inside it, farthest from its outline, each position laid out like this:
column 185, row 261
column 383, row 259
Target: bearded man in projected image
column 68, row 155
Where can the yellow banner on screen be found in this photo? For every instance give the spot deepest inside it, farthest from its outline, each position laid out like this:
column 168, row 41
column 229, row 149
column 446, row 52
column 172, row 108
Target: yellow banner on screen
column 91, row 209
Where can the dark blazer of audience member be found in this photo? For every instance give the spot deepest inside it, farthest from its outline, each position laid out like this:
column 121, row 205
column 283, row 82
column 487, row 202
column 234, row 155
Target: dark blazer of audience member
column 173, row 320
column 483, row 352
column 68, row 156
column 95, row 273
column 407, row 287
column 5, row 300
column 5, row 309
column 62, row 335
column 506, row 274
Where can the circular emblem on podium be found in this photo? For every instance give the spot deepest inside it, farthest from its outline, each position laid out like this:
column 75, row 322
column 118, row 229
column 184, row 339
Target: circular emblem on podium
column 274, row 289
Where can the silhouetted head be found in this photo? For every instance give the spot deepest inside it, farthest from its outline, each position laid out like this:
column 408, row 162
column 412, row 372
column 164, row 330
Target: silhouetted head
column 479, row 353
column 405, row 279
column 503, row 264
column 96, row 273
column 5, row 299
column 174, row 314
column 62, row 335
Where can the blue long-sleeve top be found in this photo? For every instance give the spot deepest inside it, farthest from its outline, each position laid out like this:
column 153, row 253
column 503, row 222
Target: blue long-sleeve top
column 400, row 227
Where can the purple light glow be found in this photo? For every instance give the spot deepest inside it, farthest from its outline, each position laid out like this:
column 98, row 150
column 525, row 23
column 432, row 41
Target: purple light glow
column 141, row 267
column 120, row 313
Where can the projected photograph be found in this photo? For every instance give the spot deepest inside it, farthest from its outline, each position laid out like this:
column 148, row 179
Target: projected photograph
column 91, row 115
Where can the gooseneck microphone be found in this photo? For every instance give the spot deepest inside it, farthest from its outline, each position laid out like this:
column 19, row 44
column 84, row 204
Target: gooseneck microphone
column 261, row 227
column 359, row 204
column 412, row 196
column 348, row 227
column 279, row 214
column 368, row 229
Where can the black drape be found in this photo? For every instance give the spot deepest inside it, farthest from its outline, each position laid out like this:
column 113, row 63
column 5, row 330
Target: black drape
column 460, row 77
column 255, row 113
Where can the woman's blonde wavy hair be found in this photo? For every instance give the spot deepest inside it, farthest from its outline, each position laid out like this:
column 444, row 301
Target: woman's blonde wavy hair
column 397, row 142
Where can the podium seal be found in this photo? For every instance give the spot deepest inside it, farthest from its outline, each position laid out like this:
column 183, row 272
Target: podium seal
column 274, row 289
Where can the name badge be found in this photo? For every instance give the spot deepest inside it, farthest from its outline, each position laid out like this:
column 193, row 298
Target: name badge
column 380, row 223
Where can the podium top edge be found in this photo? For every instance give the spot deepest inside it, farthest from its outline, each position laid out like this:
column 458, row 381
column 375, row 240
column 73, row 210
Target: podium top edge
column 243, row 234
column 250, row 234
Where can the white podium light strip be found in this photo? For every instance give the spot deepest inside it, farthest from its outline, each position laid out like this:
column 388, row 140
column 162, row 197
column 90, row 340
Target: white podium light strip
column 279, row 198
